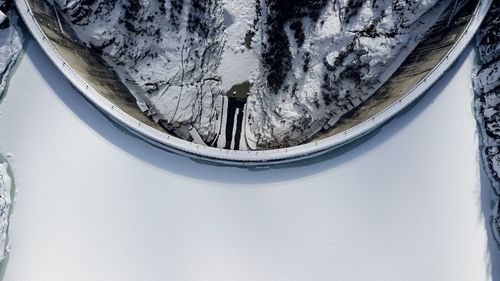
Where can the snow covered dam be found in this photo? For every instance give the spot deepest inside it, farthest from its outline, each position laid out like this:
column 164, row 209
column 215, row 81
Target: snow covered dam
column 250, row 82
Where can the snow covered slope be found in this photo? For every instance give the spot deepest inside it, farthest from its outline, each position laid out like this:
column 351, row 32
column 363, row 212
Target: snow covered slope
column 10, row 41
column 5, row 203
column 305, row 63
column 166, row 53
column 10, row 47
column 323, row 61
column 487, row 87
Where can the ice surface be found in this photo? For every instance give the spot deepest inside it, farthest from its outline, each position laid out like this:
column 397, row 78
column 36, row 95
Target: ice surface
column 99, row 204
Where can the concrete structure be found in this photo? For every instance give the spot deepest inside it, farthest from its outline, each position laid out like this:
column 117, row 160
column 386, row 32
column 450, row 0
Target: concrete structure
column 128, row 117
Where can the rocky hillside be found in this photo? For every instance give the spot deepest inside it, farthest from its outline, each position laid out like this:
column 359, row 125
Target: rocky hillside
column 10, row 41
column 5, row 205
column 166, row 52
column 487, row 88
column 308, row 62
column 321, row 59
column 10, row 48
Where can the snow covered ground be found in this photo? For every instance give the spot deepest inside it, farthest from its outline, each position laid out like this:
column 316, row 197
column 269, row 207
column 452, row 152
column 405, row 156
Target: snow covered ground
column 10, row 41
column 306, row 63
column 487, row 87
column 5, row 205
column 98, row 204
column 166, row 52
column 10, row 48
column 329, row 63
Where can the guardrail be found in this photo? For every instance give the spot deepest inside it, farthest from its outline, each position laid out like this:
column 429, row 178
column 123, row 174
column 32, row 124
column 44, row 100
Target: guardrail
column 236, row 157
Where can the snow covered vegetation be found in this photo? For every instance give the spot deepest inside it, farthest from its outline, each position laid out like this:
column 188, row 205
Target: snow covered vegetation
column 166, row 54
column 286, row 70
column 10, row 47
column 10, row 41
column 487, row 88
column 5, row 204
column 322, row 59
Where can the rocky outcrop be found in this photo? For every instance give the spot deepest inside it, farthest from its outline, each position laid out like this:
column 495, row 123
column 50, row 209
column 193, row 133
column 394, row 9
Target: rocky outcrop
column 322, row 59
column 10, row 48
column 487, row 88
column 166, row 52
column 308, row 62
column 5, row 204
column 10, row 41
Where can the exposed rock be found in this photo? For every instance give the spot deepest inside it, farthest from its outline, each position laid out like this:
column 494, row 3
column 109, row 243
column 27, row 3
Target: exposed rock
column 10, row 47
column 309, row 62
column 10, row 41
column 5, row 204
column 166, row 53
column 487, row 88
column 322, row 59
